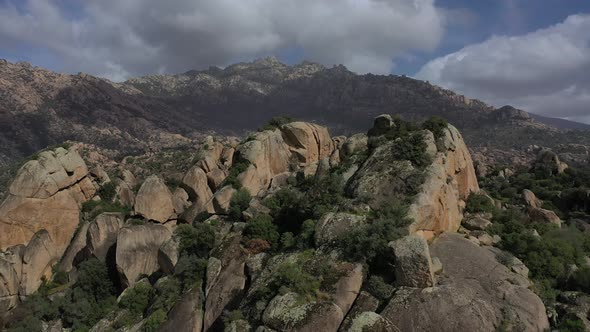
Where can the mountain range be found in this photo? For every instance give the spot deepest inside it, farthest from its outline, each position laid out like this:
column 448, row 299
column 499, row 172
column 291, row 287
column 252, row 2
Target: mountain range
column 40, row 108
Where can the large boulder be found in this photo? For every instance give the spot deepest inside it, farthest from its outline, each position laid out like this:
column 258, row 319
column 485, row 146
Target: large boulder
column 451, row 179
column 227, row 285
column 222, row 199
column 370, row 321
column 38, row 259
column 187, row 314
column 77, row 245
column 154, row 200
column 413, row 265
column 288, row 313
column 137, row 251
column 272, row 153
column 355, row 144
column 544, row 216
column 475, row 293
column 46, row 194
column 10, row 274
column 103, row 233
column 196, row 184
column 530, row 199
column 268, row 156
column 308, row 142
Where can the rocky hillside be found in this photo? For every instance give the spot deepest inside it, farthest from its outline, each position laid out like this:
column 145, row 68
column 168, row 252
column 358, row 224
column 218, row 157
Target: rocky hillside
column 291, row 229
column 39, row 108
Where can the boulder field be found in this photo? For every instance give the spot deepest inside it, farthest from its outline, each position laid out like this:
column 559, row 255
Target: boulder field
column 447, row 277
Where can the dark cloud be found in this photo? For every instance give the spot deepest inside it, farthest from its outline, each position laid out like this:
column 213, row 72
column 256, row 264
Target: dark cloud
column 115, row 38
column 544, row 72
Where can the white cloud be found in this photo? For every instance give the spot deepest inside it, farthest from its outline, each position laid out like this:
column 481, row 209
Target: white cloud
column 544, row 72
column 120, row 38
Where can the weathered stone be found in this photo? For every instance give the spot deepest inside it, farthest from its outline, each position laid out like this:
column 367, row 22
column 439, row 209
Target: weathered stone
column 213, row 270
column 370, row 321
column 38, row 258
column 381, row 124
column 100, row 175
column 530, row 199
column 239, row 325
column 229, row 283
column 124, row 193
column 309, row 142
column 475, row 293
column 215, row 178
column 476, row 223
column 10, row 275
column 102, row 234
column 154, row 200
column 129, row 178
column 544, row 216
column 137, row 251
column 227, row 157
column 195, row 182
column 168, row 255
column 348, row 287
column 355, row 144
column 187, row 314
column 436, row 265
column 222, row 199
column 365, row 302
column 438, row 207
column 180, row 199
column 334, row 225
column 78, row 244
column 413, row 265
column 288, row 313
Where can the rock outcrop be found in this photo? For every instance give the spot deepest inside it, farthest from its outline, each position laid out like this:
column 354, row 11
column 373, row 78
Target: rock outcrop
column 103, row 233
column 451, row 179
column 413, row 265
column 475, row 293
column 46, row 195
column 154, row 200
column 137, row 251
column 273, row 153
column 187, row 314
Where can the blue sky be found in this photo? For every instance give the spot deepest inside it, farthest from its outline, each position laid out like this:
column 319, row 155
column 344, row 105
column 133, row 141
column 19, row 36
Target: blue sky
column 474, row 47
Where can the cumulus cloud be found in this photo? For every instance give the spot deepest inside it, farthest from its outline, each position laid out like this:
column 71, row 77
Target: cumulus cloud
column 544, row 72
column 117, row 38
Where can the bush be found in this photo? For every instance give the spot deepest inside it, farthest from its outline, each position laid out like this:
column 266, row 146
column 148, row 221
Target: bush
column 167, row 293
column 191, row 271
column 107, row 192
column 154, row 321
column 379, row 288
column 277, row 122
column 237, row 168
column 477, row 203
column 239, row 202
column 137, row 299
column 95, row 208
column 262, row 228
column 572, row 325
column 195, row 240
column 436, row 125
column 291, row 277
column 369, row 242
column 413, row 148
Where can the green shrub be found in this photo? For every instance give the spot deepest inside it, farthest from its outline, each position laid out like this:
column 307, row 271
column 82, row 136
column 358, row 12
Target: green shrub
column 477, row 203
column 239, row 202
column 292, row 277
column 107, row 192
column 154, row 321
column 237, row 168
column 379, row 288
column 191, row 271
column 413, row 148
column 262, row 228
column 572, row 325
column 195, row 240
column 436, row 125
column 95, row 208
column 167, row 293
column 137, row 299
column 276, row 122
column 369, row 242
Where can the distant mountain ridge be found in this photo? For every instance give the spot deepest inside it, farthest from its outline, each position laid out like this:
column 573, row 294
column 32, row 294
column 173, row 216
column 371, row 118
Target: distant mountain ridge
column 40, row 108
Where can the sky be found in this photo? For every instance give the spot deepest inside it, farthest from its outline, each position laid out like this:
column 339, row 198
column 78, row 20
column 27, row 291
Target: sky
column 532, row 54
